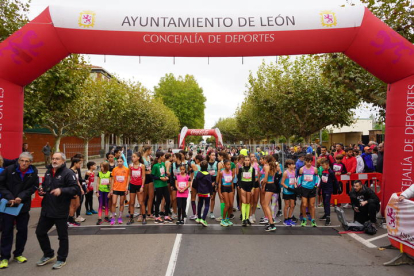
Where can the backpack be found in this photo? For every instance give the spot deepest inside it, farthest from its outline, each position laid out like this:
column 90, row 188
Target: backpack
column 369, row 228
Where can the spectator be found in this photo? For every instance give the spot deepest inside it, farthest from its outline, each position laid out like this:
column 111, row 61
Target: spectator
column 339, row 149
column 361, row 146
column 350, row 161
column 309, row 149
column 47, row 151
column 380, row 161
column 300, row 163
column 365, row 203
column 407, row 194
column 244, row 151
column 374, row 156
column 17, row 184
column 59, row 187
column 291, row 154
column 25, row 148
column 360, row 161
column 158, row 150
column 326, row 155
column 368, row 164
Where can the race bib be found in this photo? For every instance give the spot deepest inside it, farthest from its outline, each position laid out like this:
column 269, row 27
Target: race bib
column 148, row 166
column 291, row 180
column 324, row 179
column 247, row 175
column 182, row 185
column 120, row 178
column 308, row 177
column 162, row 171
column 336, row 168
column 227, row 178
column 104, row 181
column 212, row 172
column 136, row 174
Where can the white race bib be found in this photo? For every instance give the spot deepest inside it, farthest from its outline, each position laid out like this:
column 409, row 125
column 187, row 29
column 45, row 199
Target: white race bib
column 247, row 175
column 136, row 174
column 291, row 180
column 227, row 178
column 120, row 178
column 104, row 181
column 308, row 177
column 182, row 185
column 336, row 168
column 324, row 179
column 212, row 172
column 162, row 171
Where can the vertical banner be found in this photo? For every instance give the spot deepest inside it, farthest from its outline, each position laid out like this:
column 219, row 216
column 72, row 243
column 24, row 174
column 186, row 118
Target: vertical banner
column 400, row 222
column 11, row 119
column 399, row 138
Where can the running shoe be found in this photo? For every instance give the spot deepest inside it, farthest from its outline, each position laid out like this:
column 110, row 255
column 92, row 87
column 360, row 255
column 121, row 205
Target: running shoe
column 120, row 221
column 328, row 221
column 150, row 217
column 112, row 221
column 178, row 222
column 88, row 213
column 204, row 223
column 158, row 220
column 58, row 265
column 229, row 222
column 193, row 217
column 264, row 221
column 248, row 222
column 168, row 219
column 309, row 216
column 244, row 223
column 313, row 223
column 99, row 222
column 4, row 264
column 231, row 216
column 93, row 212
column 198, row 220
column 80, row 219
column 139, row 218
column 303, row 223
column 144, row 221
column 219, row 219
column 20, row 259
column 224, row 223
column 292, row 223
column 73, row 224
column 323, row 217
column 279, row 213
column 254, row 218
column 106, row 219
column 294, row 219
column 276, row 220
column 251, row 220
column 287, row 222
column 45, row 260
column 130, row 221
column 212, row 216
column 174, row 216
column 270, row 228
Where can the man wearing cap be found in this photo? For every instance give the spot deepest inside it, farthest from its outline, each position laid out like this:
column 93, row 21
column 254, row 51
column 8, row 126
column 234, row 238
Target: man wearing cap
column 367, row 158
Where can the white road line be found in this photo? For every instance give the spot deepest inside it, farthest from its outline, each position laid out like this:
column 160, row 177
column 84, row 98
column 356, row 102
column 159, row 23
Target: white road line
column 174, row 256
column 378, row 237
column 362, row 240
column 117, row 228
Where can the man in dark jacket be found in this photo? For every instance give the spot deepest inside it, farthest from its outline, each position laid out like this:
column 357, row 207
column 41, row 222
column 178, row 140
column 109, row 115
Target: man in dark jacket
column 59, row 187
column 365, row 203
column 17, row 184
column 380, row 162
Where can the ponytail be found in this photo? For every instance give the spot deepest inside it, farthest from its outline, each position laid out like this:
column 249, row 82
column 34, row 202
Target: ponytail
column 157, row 156
column 272, row 164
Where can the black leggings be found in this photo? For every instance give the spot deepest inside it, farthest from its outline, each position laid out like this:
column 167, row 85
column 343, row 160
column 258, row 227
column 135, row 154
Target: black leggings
column 78, row 211
column 162, row 193
column 181, row 205
column 89, row 201
column 206, row 201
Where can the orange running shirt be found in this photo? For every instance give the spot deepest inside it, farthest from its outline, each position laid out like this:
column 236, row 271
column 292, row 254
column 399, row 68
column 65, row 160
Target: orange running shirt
column 120, row 177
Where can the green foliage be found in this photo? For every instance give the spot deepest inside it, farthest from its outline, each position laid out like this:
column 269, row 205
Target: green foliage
column 13, row 16
column 184, row 97
column 229, row 130
column 211, row 140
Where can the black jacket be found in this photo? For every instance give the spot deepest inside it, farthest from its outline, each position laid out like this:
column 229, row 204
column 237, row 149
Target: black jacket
column 380, row 162
column 366, row 194
column 58, row 206
column 203, row 182
column 12, row 185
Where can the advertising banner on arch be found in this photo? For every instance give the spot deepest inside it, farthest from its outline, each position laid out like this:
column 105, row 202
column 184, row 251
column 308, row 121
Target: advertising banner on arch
column 400, row 221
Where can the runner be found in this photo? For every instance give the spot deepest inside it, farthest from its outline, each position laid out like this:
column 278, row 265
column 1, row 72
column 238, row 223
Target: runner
column 119, row 185
column 90, row 181
column 246, row 178
column 308, row 181
column 102, row 191
column 212, row 170
column 289, row 196
column 136, row 187
column 174, row 171
column 221, row 156
column 161, row 187
column 256, row 188
column 195, row 167
column 75, row 201
column 269, row 187
column 226, row 192
column 167, row 162
column 149, row 183
column 182, row 183
column 204, row 183
column 239, row 165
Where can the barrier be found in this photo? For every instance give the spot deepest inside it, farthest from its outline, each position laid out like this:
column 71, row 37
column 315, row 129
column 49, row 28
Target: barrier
column 371, row 180
column 400, row 229
column 37, row 200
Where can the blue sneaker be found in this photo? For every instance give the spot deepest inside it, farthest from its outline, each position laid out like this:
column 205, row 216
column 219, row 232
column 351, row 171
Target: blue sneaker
column 287, row 222
column 309, row 216
column 292, row 223
column 88, row 213
column 93, row 212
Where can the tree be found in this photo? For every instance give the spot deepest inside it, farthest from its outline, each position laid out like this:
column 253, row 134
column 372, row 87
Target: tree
column 292, row 97
column 229, row 130
column 49, row 98
column 184, row 97
column 13, row 15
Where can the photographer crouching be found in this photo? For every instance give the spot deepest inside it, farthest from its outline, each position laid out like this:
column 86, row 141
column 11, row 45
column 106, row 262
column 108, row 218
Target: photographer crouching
column 59, row 187
column 365, row 203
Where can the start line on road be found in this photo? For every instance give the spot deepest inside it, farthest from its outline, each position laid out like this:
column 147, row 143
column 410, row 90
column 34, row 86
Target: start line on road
column 199, row 230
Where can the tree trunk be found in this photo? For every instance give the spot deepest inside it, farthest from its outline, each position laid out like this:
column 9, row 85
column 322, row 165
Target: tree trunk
column 86, row 151
column 57, row 142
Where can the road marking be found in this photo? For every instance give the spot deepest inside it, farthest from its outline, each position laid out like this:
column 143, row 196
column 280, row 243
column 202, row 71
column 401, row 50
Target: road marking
column 117, row 228
column 174, row 256
column 362, row 240
column 378, row 237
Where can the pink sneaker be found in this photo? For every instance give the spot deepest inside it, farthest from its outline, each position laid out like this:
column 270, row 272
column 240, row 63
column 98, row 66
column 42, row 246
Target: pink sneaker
column 120, row 221
column 112, row 221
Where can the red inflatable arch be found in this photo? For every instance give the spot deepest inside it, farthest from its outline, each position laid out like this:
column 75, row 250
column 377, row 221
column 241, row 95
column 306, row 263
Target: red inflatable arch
column 218, row 30
column 199, row 132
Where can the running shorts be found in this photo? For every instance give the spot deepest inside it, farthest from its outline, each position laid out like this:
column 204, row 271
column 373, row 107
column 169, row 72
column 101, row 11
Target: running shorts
column 226, row 189
column 119, row 193
column 289, row 197
column 246, row 186
column 270, row 187
column 256, row 185
column 133, row 189
column 308, row 193
column 148, row 178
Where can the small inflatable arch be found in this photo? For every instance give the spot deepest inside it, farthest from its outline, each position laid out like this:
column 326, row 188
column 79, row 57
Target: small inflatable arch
column 220, row 29
column 199, row 132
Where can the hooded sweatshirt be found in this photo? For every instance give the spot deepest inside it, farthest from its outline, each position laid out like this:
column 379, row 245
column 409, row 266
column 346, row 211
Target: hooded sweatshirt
column 204, row 183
